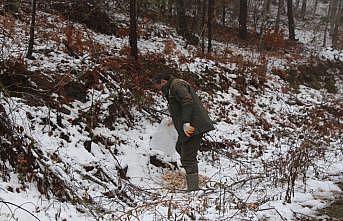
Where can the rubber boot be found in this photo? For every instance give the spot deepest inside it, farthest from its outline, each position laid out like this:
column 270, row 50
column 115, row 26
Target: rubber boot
column 192, row 182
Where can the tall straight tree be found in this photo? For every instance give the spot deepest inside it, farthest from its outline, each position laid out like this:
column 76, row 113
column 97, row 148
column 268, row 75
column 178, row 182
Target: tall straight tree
column 133, row 30
column 333, row 15
column 303, row 9
column 223, row 12
column 326, row 26
column 279, row 9
column 338, row 22
column 282, row 3
column 181, row 18
column 203, row 20
column 243, row 14
column 263, row 22
column 32, row 29
column 315, row 7
column 269, row 2
column 170, row 7
column 290, row 16
column 209, row 25
column 296, row 7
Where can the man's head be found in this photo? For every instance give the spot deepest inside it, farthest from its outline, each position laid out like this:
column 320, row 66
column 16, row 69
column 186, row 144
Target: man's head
column 161, row 79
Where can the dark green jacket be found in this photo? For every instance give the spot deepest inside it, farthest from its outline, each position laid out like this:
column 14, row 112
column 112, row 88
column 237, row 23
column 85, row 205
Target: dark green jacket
column 185, row 107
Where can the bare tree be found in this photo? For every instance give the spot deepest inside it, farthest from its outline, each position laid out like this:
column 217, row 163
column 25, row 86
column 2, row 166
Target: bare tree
column 223, row 12
column 32, row 29
column 279, row 11
column 209, row 25
column 296, row 7
column 203, row 19
column 333, row 14
column 243, row 14
column 268, row 5
column 303, row 9
column 315, row 7
column 326, row 26
column 133, row 30
column 291, row 25
column 264, row 21
column 337, row 23
column 181, row 18
column 282, row 3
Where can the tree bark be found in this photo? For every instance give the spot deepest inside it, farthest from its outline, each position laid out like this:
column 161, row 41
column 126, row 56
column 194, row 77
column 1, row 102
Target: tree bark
column 279, row 9
column 336, row 31
column 263, row 23
column 209, row 25
column 181, row 18
column 315, row 7
column 133, row 30
column 333, row 14
column 170, row 7
column 268, row 5
column 326, row 26
column 32, row 29
column 243, row 14
column 296, row 7
column 291, row 25
column 282, row 9
column 303, row 9
column 203, row 19
column 223, row 12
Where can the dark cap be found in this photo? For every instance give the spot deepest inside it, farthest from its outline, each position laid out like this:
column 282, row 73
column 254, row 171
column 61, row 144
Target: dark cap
column 160, row 76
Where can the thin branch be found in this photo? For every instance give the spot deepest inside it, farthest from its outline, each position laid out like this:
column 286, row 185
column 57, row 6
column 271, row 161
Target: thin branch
column 6, row 202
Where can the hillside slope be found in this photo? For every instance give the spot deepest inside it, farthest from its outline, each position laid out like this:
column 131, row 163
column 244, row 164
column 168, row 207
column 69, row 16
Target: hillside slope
column 79, row 126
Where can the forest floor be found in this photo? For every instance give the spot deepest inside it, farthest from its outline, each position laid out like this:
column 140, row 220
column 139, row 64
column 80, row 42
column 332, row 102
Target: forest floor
column 88, row 138
column 335, row 210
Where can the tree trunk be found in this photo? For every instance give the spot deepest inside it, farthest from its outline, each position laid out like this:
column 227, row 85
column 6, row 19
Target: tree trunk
column 290, row 16
column 203, row 19
column 170, row 7
column 209, row 25
column 279, row 9
column 315, row 7
column 263, row 23
column 303, row 9
column 162, row 6
column 336, row 31
column 282, row 7
column 223, row 12
column 133, row 30
column 243, row 14
column 333, row 10
column 326, row 26
column 297, row 3
column 32, row 29
column 268, row 5
column 235, row 7
column 181, row 18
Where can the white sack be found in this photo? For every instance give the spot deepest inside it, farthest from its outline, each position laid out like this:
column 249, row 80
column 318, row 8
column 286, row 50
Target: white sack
column 164, row 138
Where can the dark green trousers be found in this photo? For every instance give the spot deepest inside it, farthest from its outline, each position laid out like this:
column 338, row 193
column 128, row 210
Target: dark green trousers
column 188, row 151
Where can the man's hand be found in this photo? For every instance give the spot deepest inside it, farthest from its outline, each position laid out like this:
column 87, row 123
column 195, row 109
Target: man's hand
column 170, row 122
column 188, row 129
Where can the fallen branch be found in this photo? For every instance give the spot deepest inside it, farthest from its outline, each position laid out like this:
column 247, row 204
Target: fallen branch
column 9, row 203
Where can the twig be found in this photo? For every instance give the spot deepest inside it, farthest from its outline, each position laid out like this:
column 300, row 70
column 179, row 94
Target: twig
column 6, row 202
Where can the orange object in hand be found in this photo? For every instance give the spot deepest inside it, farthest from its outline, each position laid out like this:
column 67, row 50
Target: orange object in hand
column 188, row 129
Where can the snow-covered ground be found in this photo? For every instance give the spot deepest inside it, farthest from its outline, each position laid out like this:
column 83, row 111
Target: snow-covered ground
column 243, row 179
